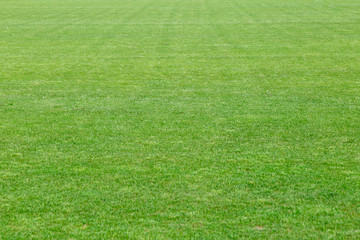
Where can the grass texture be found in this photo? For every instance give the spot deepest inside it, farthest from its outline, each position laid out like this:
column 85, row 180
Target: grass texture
column 179, row 119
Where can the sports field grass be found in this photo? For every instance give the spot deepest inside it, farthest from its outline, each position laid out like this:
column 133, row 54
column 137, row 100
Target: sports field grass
column 178, row 119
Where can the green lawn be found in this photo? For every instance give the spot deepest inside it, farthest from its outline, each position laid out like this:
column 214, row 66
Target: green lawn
column 179, row 119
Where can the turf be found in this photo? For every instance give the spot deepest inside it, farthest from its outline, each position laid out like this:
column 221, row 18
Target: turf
column 178, row 119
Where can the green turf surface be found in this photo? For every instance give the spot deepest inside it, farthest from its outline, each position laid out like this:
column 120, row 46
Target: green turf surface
column 168, row 119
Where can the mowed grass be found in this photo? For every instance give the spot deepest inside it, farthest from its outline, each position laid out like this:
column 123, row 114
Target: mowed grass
column 179, row 119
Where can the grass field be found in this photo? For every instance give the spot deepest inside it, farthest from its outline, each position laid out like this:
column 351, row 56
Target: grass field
column 179, row 119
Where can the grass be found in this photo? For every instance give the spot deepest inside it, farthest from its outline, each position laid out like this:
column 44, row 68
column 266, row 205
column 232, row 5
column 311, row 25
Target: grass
column 178, row 119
